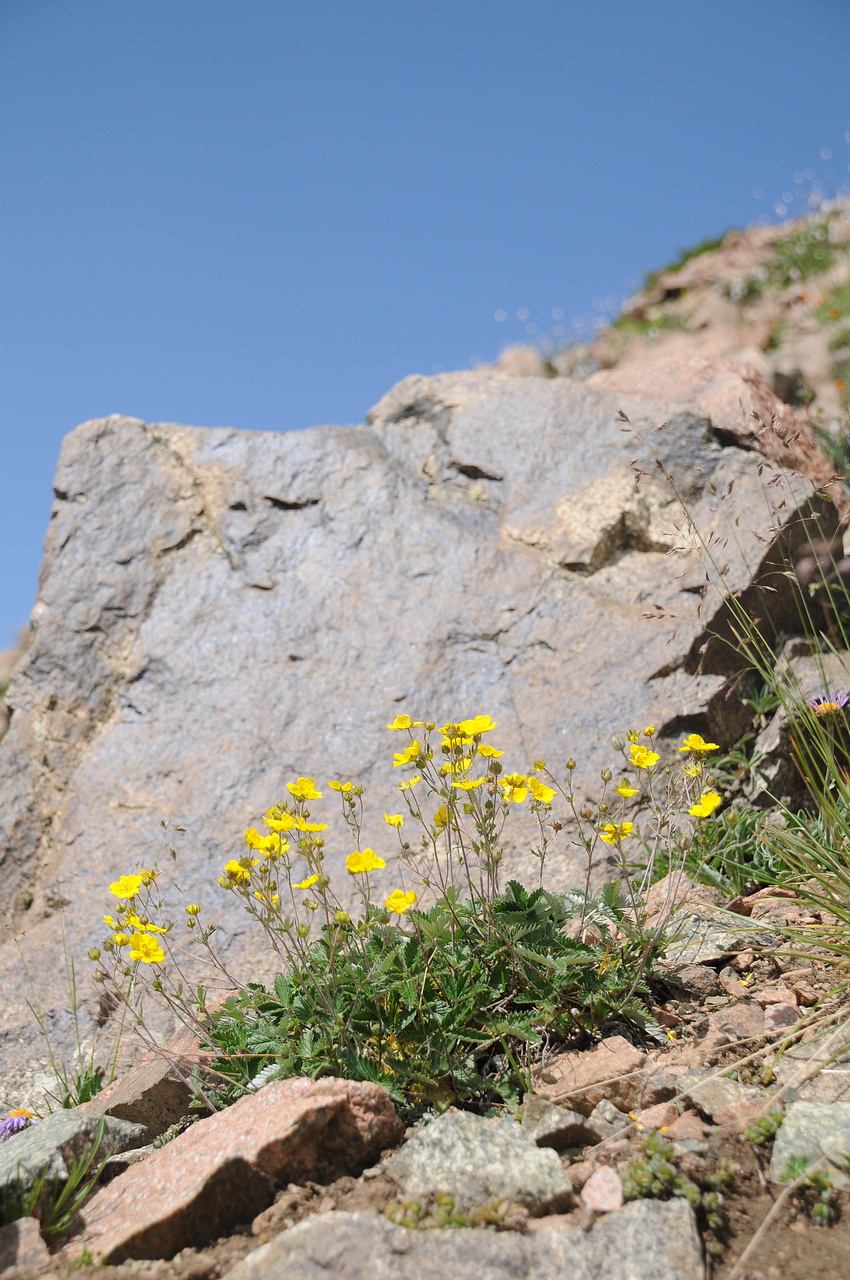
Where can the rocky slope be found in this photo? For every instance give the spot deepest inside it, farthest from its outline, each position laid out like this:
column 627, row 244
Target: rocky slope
column 774, row 297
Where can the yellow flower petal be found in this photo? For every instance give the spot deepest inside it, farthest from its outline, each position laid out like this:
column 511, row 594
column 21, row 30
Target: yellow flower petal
column 304, row 789
column 696, row 742
column 398, row 902
column 540, row 791
column 394, row 819
column 363, row 860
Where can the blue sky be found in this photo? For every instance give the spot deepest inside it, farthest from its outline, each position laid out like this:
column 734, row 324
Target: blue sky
column 263, row 213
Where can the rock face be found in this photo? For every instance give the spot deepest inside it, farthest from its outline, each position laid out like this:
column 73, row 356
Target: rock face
column 221, row 611
column 647, row 1240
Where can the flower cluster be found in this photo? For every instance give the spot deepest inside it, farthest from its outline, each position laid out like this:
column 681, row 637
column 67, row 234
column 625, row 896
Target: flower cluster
column 459, row 797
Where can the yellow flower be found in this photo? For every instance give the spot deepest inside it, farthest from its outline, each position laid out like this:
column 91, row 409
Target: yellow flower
column 649, row 731
column 399, row 902
column 626, row 789
column 144, row 926
column 144, row 947
column 342, row 917
column 455, row 766
column 407, row 756
column 193, row 909
column 479, row 724
column 488, row 752
column 411, row 782
column 366, row 860
column 695, row 742
column 540, row 791
column 304, row 789
column 286, row 822
column 441, row 818
column 266, row 845
column 266, row 900
column 279, row 821
column 306, row 884
column 120, row 939
column 394, row 819
column 515, row 787
column 405, row 722
column 113, row 924
column 692, row 770
column 238, row 872
column 453, row 735
column 614, row 831
column 127, row 886
column 340, row 786
column 705, row 806
column 642, row 758
column 469, row 784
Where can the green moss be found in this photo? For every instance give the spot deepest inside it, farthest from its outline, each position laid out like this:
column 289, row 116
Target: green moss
column 800, row 256
column 640, row 326
column 775, row 338
column 684, row 256
column 840, row 341
column 836, row 306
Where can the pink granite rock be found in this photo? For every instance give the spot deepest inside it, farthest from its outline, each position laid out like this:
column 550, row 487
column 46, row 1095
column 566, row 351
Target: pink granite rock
column 612, row 1070
column 21, row 1244
column 779, row 1018
column 659, row 1116
column 224, row 1170
column 603, row 1191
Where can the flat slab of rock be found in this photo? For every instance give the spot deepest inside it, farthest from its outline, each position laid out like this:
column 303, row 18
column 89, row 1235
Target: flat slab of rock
column 21, row 1244
column 53, row 1145
column 711, row 1094
column 647, row 1240
column 477, row 1161
column 703, row 935
column 556, row 1127
column 153, row 1093
column 830, row 1080
column 223, row 1170
column 814, row 1129
column 614, row 1070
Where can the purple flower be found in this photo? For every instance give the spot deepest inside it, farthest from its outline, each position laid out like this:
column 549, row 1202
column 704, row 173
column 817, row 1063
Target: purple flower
column 826, row 705
column 14, row 1121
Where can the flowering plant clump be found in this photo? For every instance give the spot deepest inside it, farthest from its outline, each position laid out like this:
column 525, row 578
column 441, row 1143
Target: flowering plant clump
column 443, row 985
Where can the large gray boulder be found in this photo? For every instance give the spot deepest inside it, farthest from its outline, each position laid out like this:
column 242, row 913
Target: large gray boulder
column 646, row 1240
column 220, row 611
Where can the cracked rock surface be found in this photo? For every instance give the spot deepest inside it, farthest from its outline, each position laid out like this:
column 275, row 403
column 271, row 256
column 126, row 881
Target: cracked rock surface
column 220, row 611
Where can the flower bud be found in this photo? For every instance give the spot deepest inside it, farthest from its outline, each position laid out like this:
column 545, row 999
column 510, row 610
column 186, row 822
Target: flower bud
column 570, row 765
column 539, row 764
column 303, row 930
column 430, row 726
column 618, row 741
column 603, row 808
column 586, row 812
column 606, row 775
column 94, row 953
column 323, row 882
column 191, row 922
column 193, row 909
column 495, row 767
column 342, row 917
